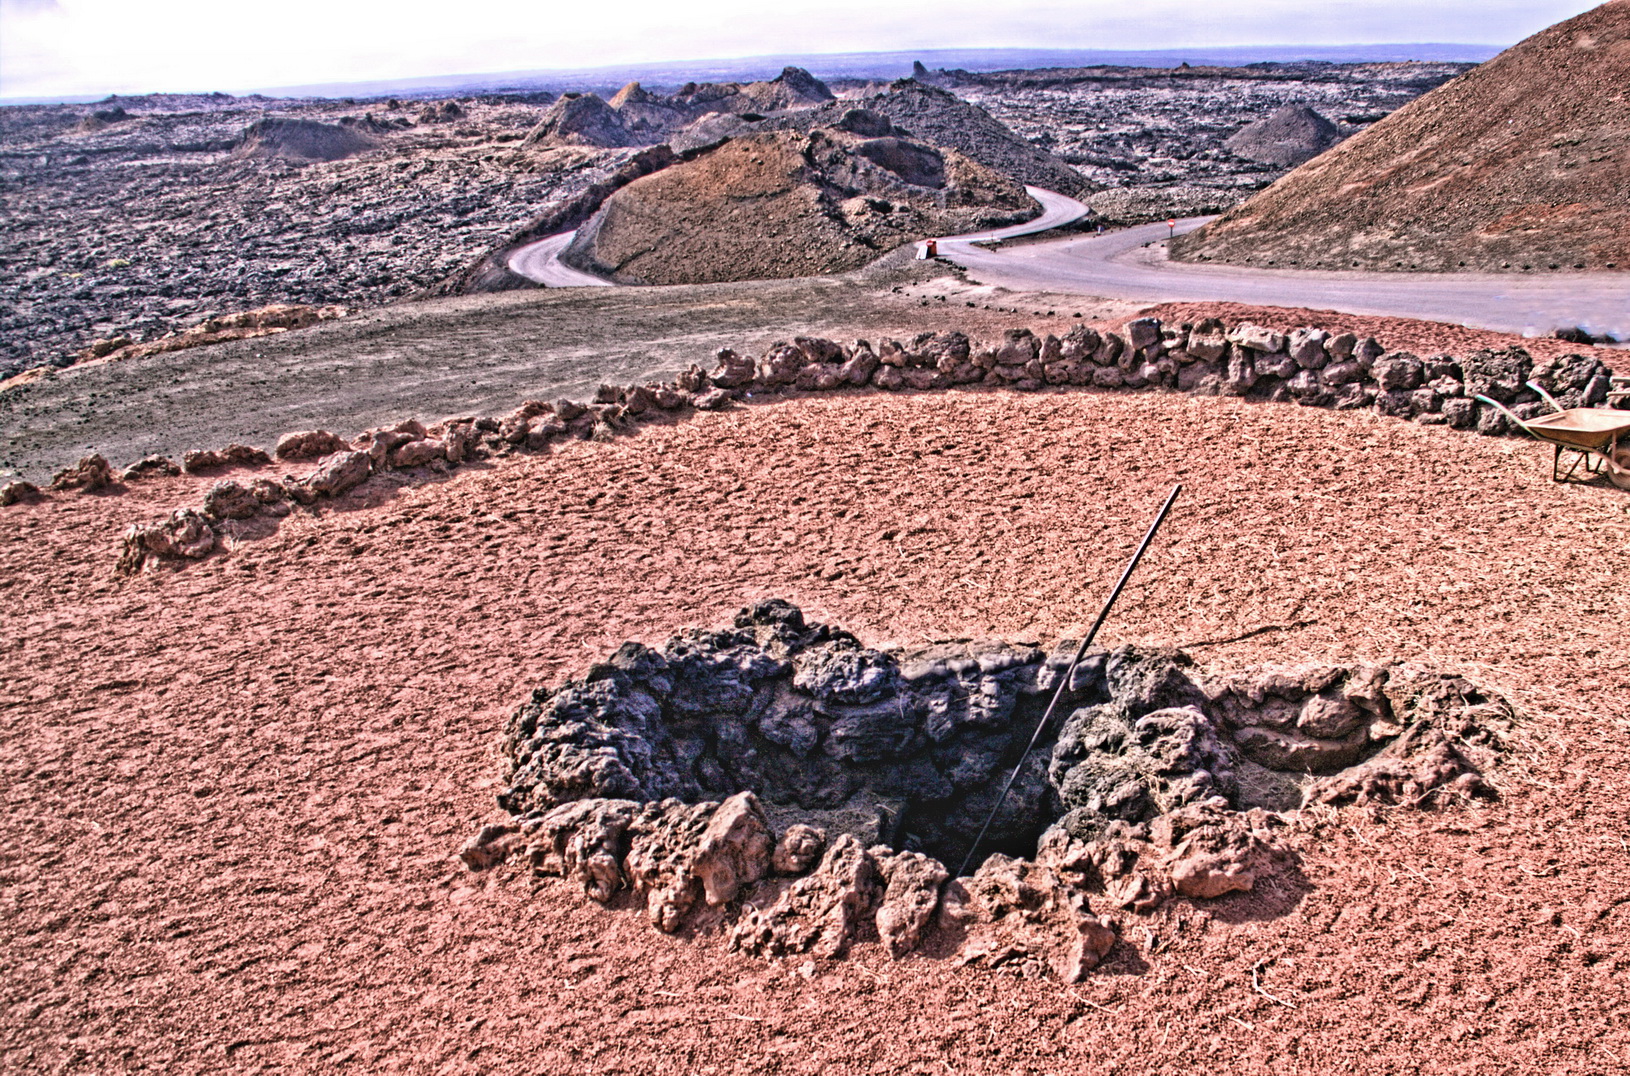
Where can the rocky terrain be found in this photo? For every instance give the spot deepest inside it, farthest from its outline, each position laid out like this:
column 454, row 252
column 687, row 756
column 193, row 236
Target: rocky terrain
column 636, row 116
column 180, row 208
column 945, row 119
column 1483, row 391
column 140, row 217
column 1154, row 141
column 1519, row 165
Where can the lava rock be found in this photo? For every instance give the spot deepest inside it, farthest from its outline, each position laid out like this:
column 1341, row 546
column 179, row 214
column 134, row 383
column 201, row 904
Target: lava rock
column 682, row 853
column 308, row 445
column 90, row 474
column 185, row 535
column 821, row 913
column 151, row 466
column 334, row 475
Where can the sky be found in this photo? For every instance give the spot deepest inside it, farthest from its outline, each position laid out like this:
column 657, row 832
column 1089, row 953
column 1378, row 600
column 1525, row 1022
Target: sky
column 90, row 47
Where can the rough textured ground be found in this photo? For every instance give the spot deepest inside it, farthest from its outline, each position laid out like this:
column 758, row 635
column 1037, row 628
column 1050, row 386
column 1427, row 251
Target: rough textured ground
column 150, row 223
column 1401, row 334
column 1159, row 134
column 145, row 224
column 636, row 116
column 1518, row 164
column 473, row 355
column 232, row 794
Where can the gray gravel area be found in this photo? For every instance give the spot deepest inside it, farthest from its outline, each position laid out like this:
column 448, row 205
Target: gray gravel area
column 470, row 355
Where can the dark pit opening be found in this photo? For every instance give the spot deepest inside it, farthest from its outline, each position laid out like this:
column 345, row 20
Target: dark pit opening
column 910, row 748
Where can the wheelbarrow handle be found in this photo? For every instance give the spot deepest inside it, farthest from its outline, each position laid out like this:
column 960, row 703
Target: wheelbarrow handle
column 1508, row 413
column 1548, row 397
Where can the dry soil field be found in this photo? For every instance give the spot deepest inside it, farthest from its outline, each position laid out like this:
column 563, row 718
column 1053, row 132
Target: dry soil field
column 233, row 793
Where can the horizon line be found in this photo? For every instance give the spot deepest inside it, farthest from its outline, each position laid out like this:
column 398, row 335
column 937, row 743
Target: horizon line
column 463, row 82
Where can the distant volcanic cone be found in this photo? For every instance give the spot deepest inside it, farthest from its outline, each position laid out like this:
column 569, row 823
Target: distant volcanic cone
column 790, row 203
column 1290, row 136
column 1521, row 163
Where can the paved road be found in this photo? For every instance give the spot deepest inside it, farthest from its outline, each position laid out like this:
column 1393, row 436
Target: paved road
column 541, row 262
column 1132, row 264
column 1056, row 211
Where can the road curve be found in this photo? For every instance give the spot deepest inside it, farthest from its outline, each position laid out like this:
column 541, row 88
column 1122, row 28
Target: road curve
column 1132, row 264
column 540, row 263
column 1056, row 210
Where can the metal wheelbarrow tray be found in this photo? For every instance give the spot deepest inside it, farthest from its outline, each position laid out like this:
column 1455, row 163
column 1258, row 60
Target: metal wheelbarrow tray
column 1591, row 435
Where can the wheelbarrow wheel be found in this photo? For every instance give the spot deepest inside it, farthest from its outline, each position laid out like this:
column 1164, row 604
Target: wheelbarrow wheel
column 1618, row 468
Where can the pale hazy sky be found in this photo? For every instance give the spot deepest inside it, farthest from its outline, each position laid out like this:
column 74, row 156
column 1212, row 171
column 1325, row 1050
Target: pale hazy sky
column 75, row 47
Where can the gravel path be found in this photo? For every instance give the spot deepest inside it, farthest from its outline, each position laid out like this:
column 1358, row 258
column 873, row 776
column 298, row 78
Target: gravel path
column 540, row 262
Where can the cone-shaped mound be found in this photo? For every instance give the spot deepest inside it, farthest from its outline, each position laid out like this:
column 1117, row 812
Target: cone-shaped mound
column 1521, row 162
column 788, row 204
column 1290, row 136
column 305, row 140
column 913, row 109
column 580, row 120
column 637, row 117
column 945, row 119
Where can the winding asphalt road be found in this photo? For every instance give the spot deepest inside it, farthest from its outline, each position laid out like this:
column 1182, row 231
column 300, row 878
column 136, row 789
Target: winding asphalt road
column 1057, row 210
column 1132, row 264
column 540, row 262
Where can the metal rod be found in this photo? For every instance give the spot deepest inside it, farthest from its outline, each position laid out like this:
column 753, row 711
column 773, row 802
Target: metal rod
column 1069, row 674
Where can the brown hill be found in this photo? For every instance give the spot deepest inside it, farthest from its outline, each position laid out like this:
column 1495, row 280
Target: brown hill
column 1523, row 162
column 790, row 203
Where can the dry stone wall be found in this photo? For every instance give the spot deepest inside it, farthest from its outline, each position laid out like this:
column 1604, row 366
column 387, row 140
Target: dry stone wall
column 1308, row 367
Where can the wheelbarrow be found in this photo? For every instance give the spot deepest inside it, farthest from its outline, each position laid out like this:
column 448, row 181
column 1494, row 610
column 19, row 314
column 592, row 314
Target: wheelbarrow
column 1597, row 438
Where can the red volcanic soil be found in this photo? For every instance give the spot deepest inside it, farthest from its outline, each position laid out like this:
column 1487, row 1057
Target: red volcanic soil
column 233, row 792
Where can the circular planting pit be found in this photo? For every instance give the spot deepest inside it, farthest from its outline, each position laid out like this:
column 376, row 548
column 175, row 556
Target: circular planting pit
column 795, row 790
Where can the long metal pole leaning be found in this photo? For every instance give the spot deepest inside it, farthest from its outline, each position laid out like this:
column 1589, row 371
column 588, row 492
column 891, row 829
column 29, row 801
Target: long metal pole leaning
column 1069, row 674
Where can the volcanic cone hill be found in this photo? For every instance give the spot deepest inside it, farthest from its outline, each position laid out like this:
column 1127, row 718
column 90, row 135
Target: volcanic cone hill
column 789, row 203
column 637, row 117
column 1292, row 135
column 303, row 140
column 945, row 119
column 581, row 119
column 1523, row 162
column 924, row 112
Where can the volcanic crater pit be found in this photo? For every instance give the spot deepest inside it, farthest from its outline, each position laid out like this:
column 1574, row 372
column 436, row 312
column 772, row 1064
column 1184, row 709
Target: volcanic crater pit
column 795, row 790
